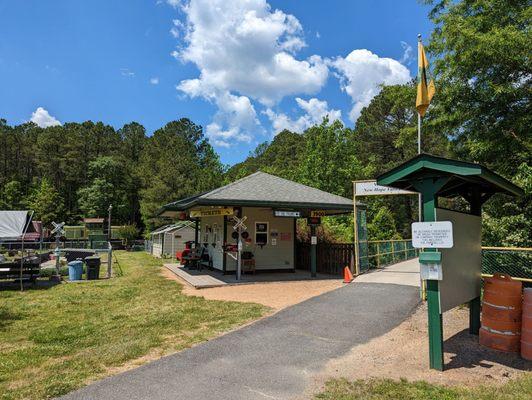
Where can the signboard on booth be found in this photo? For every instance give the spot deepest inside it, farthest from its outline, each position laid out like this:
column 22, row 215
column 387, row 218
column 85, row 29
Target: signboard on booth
column 287, row 214
column 318, row 213
column 432, row 235
column 214, row 212
column 370, row 188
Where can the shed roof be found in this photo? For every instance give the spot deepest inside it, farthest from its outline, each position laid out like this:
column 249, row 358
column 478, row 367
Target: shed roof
column 264, row 190
column 172, row 227
column 462, row 176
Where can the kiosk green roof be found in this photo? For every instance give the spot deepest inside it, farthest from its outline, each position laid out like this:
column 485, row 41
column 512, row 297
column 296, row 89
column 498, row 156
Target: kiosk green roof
column 460, row 177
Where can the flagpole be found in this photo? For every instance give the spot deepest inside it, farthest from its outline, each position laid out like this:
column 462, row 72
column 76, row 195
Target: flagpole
column 419, row 143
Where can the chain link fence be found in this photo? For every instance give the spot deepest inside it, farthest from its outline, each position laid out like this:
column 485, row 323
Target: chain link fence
column 513, row 261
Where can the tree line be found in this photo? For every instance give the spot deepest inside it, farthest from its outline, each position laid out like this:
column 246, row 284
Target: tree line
column 480, row 52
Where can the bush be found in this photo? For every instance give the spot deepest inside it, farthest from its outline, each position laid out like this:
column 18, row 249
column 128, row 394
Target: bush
column 128, row 233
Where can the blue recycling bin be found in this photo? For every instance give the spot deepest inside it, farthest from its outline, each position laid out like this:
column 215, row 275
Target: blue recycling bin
column 75, row 270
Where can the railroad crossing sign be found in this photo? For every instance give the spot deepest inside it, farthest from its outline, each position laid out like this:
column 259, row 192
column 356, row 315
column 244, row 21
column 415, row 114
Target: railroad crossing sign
column 58, row 229
column 240, row 223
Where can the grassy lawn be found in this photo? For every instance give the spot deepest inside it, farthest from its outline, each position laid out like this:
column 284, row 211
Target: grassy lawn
column 55, row 340
column 384, row 389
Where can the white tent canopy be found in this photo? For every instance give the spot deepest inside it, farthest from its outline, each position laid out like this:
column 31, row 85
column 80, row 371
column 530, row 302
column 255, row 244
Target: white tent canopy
column 13, row 224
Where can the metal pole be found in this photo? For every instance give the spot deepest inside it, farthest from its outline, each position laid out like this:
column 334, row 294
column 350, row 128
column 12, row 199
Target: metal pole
column 420, row 213
column 239, row 254
column 313, row 254
column 355, row 222
column 109, row 223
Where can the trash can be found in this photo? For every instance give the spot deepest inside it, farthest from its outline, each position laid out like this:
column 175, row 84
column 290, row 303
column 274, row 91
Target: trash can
column 93, row 267
column 75, row 270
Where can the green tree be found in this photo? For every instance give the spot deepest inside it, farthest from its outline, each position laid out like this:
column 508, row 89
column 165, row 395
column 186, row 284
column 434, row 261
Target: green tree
column 177, row 161
column 382, row 226
column 107, row 187
column 46, row 202
column 12, row 196
column 483, row 68
column 330, row 160
column 281, row 157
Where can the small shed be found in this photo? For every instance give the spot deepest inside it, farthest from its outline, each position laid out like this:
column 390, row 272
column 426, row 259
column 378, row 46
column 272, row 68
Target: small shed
column 169, row 239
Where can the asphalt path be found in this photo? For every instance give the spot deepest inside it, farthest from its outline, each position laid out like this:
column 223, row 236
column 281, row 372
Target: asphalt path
column 273, row 358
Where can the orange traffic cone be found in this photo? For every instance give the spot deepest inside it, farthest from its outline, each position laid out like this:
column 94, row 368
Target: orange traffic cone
column 348, row 276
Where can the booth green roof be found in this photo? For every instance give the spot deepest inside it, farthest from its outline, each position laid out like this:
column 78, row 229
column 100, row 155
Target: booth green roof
column 264, row 190
column 462, row 176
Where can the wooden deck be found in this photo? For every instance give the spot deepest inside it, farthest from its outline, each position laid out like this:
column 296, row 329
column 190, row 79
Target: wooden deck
column 197, row 279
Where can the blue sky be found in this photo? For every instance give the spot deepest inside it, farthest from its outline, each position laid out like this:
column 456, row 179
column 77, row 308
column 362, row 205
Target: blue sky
column 242, row 70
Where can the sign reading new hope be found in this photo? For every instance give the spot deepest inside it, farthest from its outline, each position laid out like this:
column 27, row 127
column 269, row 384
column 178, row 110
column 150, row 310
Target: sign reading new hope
column 370, row 188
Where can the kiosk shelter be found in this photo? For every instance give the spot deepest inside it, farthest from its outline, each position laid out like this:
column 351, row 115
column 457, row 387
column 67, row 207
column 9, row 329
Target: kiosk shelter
column 260, row 212
column 450, row 260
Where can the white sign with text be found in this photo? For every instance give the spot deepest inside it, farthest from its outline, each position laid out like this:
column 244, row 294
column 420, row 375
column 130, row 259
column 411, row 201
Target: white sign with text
column 370, row 188
column 432, row 235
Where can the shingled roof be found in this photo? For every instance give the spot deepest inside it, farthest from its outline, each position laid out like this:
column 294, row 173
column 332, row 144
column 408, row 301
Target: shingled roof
column 264, row 190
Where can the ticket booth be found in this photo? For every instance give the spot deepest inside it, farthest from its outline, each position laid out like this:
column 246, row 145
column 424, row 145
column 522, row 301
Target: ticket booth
column 251, row 223
column 450, row 240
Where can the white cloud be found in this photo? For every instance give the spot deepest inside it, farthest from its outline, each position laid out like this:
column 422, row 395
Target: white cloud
column 315, row 110
column 174, row 3
column 127, row 73
column 42, row 118
column 178, row 27
column 362, row 74
column 235, row 120
column 154, row 80
column 244, row 48
column 407, row 53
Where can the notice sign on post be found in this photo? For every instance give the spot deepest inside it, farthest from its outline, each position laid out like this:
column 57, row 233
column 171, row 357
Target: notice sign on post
column 432, row 235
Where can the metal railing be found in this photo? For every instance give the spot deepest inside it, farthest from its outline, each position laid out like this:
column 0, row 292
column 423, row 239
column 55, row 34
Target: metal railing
column 513, row 261
column 386, row 252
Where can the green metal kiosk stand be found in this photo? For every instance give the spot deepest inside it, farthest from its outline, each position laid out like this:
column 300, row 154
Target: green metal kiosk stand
column 437, row 177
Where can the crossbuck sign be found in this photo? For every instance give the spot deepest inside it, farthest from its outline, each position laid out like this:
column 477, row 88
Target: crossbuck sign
column 240, row 223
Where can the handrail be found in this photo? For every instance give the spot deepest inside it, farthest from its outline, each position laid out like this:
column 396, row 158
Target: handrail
column 507, row 248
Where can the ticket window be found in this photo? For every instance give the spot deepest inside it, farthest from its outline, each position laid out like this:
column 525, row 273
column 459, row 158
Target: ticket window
column 261, row 233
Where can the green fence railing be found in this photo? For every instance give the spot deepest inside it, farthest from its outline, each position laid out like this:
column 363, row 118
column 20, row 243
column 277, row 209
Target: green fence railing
column 513, row 261
column 385, row 252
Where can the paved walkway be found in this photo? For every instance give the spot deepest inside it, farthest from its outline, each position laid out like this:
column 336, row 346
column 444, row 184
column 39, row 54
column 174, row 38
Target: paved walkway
column 273, row 358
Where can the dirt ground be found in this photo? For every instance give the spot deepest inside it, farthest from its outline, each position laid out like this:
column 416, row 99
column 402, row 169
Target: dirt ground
column 403, row 353
column 276, row 295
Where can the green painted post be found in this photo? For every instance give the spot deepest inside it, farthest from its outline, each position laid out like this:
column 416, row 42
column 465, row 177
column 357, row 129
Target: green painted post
column 312, row 252
column 428, row 188
column 475, row 203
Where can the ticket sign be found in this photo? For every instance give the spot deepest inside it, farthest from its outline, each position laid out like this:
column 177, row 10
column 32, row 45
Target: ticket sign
column 432, row 235
column 214, row 212
column 288, row 214
column 370, row 188
column 318, row 213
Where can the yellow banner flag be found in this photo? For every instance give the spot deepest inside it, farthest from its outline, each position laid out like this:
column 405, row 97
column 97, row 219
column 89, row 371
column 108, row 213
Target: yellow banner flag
column 425, row 90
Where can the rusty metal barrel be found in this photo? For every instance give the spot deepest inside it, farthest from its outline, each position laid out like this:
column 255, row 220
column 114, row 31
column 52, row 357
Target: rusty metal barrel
column 501, row 313
column 526, row 328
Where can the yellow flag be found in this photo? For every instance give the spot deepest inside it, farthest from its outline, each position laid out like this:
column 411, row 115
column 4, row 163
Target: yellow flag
column 425, row 90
